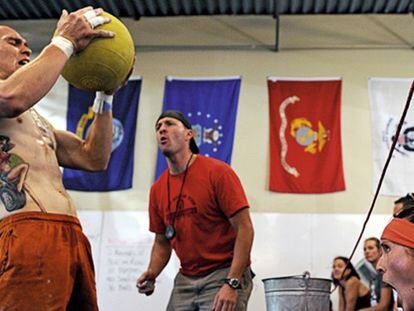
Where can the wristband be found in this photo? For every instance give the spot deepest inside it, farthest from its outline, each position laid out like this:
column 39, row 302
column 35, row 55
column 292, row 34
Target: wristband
column 102, row 102
column 64, row 44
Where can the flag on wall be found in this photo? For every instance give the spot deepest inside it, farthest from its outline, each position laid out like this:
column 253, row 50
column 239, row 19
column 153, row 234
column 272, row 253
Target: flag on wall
column 305, row 135
column 210, row 104
column 119, row 174
column 387, row 99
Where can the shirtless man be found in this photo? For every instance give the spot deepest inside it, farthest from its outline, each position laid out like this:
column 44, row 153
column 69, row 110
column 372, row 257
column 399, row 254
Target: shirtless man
column 45, row 260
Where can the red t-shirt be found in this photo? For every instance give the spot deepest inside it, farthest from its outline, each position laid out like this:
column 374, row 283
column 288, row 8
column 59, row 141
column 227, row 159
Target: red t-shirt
column 204, row 237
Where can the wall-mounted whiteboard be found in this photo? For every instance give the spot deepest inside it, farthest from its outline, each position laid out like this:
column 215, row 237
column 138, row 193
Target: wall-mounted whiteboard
column 285, row 244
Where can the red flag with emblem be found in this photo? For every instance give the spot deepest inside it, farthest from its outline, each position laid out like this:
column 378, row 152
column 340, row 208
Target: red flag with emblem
column 305, row 135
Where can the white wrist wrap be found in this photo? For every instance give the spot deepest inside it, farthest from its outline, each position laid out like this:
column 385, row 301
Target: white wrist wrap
column 64, row 44
column 102, row 102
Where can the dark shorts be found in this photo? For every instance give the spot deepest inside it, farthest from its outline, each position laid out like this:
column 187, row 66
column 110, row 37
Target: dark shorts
column 45, row 264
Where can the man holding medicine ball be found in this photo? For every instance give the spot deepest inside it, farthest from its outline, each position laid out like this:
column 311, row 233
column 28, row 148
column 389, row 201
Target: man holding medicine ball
column 45, row 259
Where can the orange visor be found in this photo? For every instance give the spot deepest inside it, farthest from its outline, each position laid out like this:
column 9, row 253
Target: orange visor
column 399, row 231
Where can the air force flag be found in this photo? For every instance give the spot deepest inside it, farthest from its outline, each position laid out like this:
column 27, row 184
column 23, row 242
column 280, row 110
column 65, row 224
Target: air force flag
column 210, row 104
column 118, row 176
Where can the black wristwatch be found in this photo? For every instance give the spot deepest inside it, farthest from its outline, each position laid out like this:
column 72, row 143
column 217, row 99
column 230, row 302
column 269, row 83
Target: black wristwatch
column 233, row 283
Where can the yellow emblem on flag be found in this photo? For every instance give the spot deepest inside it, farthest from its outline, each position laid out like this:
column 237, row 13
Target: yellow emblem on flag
column 83, row 122
column 313, row 141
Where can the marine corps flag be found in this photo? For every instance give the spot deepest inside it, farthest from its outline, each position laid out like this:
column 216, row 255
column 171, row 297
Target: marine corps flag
column 118, row 175
column 305, row 135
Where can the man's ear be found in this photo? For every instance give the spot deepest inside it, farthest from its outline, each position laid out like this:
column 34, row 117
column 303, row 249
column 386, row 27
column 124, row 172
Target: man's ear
column 191, row 134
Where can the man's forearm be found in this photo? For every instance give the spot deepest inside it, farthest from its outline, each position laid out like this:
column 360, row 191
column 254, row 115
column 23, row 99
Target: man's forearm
column 160, row 255
column 30, row 83
column 91, row 154
column 98, row 142
column 241, row 253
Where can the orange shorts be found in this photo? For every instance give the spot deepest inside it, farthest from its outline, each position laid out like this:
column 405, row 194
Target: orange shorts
column 45, row 264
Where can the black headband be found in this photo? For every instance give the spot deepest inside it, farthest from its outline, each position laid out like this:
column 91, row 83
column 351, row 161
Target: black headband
column 180, row 117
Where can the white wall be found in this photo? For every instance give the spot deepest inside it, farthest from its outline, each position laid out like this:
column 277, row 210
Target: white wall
column 285, row 245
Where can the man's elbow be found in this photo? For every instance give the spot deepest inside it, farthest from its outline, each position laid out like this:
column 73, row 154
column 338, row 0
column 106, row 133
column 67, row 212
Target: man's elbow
column 95, row 161
column 99, row 165
column 100, row 168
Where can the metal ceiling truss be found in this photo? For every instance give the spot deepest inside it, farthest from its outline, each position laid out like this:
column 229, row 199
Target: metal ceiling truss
column 286, row 7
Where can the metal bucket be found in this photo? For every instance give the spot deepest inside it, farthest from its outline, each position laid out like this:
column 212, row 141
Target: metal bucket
column 297, row 293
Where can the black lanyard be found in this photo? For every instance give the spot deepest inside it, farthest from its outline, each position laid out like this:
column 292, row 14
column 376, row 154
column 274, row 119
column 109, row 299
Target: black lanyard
column 170, row 231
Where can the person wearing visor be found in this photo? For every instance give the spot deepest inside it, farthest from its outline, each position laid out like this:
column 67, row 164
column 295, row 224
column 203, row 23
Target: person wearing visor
column 397, row 261
column 199, row 209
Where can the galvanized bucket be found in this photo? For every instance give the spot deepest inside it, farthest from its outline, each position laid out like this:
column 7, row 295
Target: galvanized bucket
column 297, row 293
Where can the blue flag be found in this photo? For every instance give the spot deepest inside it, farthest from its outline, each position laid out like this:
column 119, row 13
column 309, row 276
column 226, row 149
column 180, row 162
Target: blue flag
column 210, row 104
column 118, row 176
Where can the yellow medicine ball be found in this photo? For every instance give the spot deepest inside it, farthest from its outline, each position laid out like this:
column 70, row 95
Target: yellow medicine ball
column 105, row 63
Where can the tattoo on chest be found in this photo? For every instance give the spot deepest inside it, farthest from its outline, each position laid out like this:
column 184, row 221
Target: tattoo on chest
column 13, row 172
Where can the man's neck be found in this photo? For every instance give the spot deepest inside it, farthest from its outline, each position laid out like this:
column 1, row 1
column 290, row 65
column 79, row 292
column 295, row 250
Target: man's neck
column 178, row 163
column 407, row 297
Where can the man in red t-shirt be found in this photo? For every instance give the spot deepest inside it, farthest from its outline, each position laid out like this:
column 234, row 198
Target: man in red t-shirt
column 198, row 208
